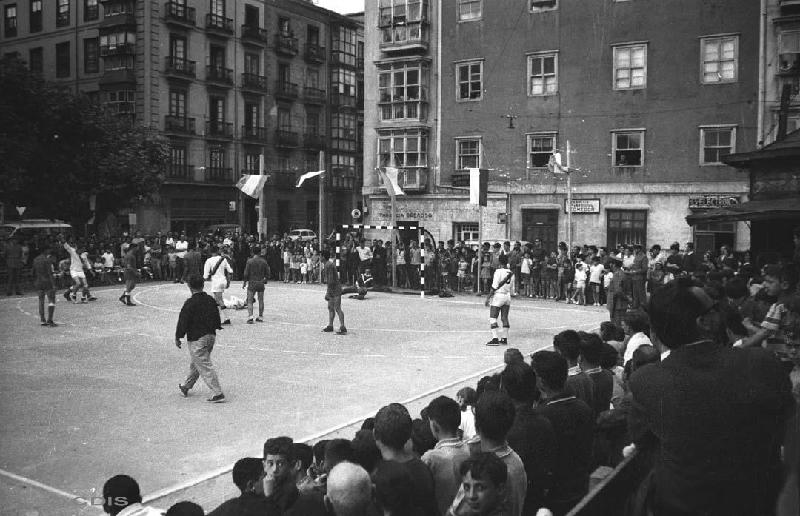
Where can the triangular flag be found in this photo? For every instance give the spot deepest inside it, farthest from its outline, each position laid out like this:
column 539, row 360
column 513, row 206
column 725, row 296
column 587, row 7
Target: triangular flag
column 252, row 184
column 389, row 176
column 478, row 186
column 309, row 175
column 554, row 164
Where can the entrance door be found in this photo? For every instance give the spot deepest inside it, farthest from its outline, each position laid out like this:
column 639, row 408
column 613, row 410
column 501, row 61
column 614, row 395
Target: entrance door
column 407, row 235
column 541, row 224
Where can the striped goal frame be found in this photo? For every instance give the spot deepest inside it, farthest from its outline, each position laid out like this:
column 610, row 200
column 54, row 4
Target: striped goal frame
column 403, row 228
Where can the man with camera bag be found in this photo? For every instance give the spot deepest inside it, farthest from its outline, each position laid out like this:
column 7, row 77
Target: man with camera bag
column 499, row 302
column 217, row 270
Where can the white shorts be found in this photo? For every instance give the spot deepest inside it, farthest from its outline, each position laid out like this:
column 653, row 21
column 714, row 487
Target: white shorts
column 77, row 275
column 218, row 285
column 499, row 300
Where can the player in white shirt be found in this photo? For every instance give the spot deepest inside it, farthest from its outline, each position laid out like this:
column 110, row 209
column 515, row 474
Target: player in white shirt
column 499, row 302
column 217, row 270
column 78, row 277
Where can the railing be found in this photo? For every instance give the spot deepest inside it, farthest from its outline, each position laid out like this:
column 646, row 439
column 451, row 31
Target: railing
column 117, row 49
column 314, row 53
column 120, row 107
column 254, row 33
column 179, row 124
column 180, row 66
column 178, row 171
column 254, row 82
column 219, row 74
column 219, row 23
column 286, row 45
column 286, row 138
column 180, row 13
column 314, row 95
column 219, row 174
column 287, row 90
column 250, row 132
column 218, row 128
column 610, row 495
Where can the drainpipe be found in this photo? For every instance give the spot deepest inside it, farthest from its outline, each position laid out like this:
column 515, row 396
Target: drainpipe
column 762, row 81
column 437, row 175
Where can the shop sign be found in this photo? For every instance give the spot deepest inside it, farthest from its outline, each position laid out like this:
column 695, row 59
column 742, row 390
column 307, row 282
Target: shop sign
column 584, row 206
column 702, row 202
column 404, row 215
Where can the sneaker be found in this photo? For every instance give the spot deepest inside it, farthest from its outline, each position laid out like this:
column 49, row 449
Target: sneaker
column 493, row 342
column 219, row 398
column 66, row 295
column 250, row 320
column 92, row 298
column 184, row 390
column 504, row 341
column 226, row 321
column 52, row 324
column 130, row 303
column 44, row 323
column 259, row 319
column 327, row 329
column 122, row 299
column 342, row 331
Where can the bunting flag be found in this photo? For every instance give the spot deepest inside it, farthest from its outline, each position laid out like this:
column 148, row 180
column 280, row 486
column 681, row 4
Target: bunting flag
column 478, row 186
column 252, row 184
column 389, row 176
column 309, row 175
column 555, row 165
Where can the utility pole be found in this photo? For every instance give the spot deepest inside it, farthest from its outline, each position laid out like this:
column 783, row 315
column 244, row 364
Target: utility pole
column 262, row 220
column 569, row 201
column 321, row 200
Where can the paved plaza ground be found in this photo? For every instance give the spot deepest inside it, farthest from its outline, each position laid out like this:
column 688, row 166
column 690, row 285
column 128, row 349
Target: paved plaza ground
column 98, row 395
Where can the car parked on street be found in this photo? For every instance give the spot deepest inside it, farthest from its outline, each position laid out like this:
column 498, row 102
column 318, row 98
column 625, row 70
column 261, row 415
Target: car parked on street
column 303, row 235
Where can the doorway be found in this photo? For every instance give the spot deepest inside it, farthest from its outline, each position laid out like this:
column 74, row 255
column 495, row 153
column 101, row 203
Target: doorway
column 541, row 224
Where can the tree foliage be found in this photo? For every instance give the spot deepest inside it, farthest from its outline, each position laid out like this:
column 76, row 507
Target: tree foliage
column 58, row 149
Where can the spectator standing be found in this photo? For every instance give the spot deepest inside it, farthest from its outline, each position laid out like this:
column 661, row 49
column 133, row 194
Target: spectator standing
column 13, row 252
column 255, row 277
column 192, row 262
column 602, row 379
column 247, row 475
column 45, row 285
column 636, row 326
column 568, row 345
column 181, row 246
column 485, row 478
column 638, row 276
column 445, row 459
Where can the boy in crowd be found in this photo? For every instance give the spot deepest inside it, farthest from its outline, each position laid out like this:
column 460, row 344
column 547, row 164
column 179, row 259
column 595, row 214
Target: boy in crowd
column 484, row 479
column 279, row 482
column 780, row 282
column 568, row 345
column 247, row 475
column 595, row 279
column 444, row 460
column 466, row 398
column 122, row 496
column 591, row 349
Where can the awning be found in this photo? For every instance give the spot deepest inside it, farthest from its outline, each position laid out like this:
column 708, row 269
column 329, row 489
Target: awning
column 751, row 210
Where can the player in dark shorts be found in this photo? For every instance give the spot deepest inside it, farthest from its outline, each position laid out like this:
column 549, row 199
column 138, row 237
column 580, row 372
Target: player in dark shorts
column 45, row 284
column 334, row 294
column 256, row 272
column 129, row 262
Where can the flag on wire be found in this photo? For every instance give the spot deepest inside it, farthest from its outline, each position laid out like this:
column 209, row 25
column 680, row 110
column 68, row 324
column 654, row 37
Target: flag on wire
column 252, row 184
column 389, row 176
column 308, row 175
column 478, row 186
column 555, row 165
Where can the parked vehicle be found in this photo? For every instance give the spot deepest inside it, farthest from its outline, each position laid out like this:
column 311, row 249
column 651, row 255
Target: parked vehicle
column 303, row 235
column 29, row 228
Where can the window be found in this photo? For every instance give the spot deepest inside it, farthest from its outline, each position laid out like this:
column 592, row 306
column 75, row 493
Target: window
column 469, row 10
column 343, row 82
column 252, row 64
column 62, row 13
column 177, row 47
column 252, row 163
column 251, row 116
column 284, row 119
column 716, row 142
column 10, row 21
column 177, row 103
column 118, row 42
column 630, row 67
column 216, row 110
column 121, row 101
column 312, row 121
column 284, row 73
column 62, row 59
column 312, row 35
column 628, row 148
column 343, row 131
column 468, row 153
column 118, row 8
column 36, row 60
column 91, row 11
column 91, row 55
column 402, row 91
column 540, row 148
column 543, row 74
column 403, row 149
column 343, row 47
column 539, row 6
column 403, row 21
column 216, row 57
column 284, row 27
column 626, row 227
column 251, row 15
column 343, row 170
column 720, row 57
column 789, row 41
column 216, row 158
column 466, row 232
column 177, row 155
column 470, row 82
column 217, row 8
column 312, row 78
column 36, row 15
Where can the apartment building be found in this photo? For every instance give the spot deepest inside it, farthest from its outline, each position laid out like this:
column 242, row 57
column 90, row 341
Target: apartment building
column 648, row 94
column 226, row 81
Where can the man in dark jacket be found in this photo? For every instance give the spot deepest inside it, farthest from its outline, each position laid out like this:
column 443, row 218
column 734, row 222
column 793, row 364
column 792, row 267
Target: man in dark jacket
column 247, row 475
column 715, row 414
column 254, row 277
column 192, row 263
column 199, row 321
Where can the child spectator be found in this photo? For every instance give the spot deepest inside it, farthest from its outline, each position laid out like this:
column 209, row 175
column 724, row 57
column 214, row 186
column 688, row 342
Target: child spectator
column 395, row 493
column 595, row 279
column 612, row 334
column 280, row 466
column 636, row 326
column 525, row 272
column 568, row 345
column 121, row 493
column 462, row 271
column 486, row 272
column 484, row 479
column 444, row 460
column 247, row 475
column 590, row 359
column 466, row 398
column 780, row 281
column 550, row 276
column 578, row 296
column 365, row 452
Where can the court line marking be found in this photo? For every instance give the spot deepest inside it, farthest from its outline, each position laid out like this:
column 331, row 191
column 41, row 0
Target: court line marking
column 49, row 489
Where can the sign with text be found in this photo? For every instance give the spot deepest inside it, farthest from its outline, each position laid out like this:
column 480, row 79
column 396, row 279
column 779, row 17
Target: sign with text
column 584, row 206
column 701, row 202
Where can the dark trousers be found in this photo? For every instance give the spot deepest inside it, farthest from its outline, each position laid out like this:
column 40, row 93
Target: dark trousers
column 13, row 280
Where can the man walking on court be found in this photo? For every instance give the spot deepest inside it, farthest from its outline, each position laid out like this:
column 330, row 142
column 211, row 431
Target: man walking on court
column 217, row 269
column 334, row 294
column 199, row 322
column 45, row 285
column 131, row 272
column 256, row 273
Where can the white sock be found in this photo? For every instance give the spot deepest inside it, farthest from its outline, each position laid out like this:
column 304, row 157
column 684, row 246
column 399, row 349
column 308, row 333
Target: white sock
column 495, row 333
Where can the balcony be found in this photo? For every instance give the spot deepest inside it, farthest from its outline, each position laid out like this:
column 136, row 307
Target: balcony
column 179, row 67
column 117, row 20
column 314, row 141
column 254, row 83
column 117, row 49
column 343, row 101
column 286, row 90
column 91, row 12
column 286, row 139
column 120, row 107
column 178, row 124
column 313, row 95
column 314, row 53
column 179, row 172
column 219, row 25
column 219, row 175
column 180, row 15
column 219, row 75
column 254, row 133
column 789, row 64
column 219, row 129
column 118, row 76
column 286, row 45
column 402, row 36
column 254, row 35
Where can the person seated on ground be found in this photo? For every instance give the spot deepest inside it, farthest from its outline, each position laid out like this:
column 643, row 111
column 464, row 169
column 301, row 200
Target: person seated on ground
column 636, row 326
column 185, row 508
column 305, row 457
column 573, row 423
column 122, row 497
column 466, row 398
column 602, row 379
column 279, row 487
column 568, row 345
column 444, row 460
column 395, row 490
column 349, row 491
column 365, row 452
column 715, row 415
column 392, row 431
column 247, row 473
column 531, row 435
column 494, row 417
column 484, row 478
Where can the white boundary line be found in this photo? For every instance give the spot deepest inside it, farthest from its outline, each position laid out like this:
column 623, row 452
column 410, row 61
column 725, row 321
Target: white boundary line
column 49, row 489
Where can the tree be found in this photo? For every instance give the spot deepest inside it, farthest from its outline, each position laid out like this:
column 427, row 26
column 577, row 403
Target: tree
column 58, row 149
